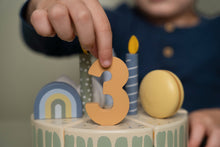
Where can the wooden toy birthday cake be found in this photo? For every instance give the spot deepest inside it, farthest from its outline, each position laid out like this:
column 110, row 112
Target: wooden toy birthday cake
column 66, row 115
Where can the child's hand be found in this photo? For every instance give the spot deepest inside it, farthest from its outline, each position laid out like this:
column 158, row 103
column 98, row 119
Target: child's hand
column 67, row 18
column 203, row 123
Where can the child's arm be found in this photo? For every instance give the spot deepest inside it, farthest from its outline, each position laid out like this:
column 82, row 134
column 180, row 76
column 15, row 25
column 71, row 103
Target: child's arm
column 205, row 123
column 69, row 18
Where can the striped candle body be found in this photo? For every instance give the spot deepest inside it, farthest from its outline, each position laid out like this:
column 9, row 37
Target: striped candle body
column 132, row 84
column 85, row 80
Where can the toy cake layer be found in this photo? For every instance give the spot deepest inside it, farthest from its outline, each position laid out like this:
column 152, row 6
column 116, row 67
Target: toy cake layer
column 138, row 130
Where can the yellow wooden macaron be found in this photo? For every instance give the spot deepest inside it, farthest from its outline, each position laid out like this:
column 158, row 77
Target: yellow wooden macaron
column 161, row 93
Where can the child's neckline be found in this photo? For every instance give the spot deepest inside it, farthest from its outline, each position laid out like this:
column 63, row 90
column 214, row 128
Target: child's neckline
column 168, row 26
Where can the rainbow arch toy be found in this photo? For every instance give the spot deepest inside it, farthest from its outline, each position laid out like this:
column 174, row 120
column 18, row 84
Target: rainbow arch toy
column 57, row 100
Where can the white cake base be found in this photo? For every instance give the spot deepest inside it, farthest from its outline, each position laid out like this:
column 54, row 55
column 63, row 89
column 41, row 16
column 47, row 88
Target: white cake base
column 138, row 130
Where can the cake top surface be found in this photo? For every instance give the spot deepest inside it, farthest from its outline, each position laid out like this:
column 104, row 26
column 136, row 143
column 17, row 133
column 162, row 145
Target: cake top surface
column 125, row 124
column 181, row 115
column 132, row 122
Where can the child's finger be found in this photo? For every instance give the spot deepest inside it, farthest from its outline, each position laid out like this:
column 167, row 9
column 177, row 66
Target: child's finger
column 94, row 51
column 197, row 133
column 83, row 22
column 40, row 21
column 60, row 20
column 103, row 32
column 214, row 139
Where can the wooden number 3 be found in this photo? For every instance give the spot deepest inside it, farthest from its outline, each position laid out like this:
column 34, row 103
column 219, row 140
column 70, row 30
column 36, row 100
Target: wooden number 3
column 113, row 87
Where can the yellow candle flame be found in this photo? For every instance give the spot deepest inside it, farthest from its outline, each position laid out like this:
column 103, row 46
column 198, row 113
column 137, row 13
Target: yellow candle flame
column 85, row 51
column 133, row 45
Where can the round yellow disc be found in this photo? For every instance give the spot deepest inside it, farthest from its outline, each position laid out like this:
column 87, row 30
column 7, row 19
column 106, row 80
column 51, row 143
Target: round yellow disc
column 161, row 93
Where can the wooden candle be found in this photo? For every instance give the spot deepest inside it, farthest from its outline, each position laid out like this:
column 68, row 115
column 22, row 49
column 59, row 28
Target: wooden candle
column 85, row 79
column 132, row 84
